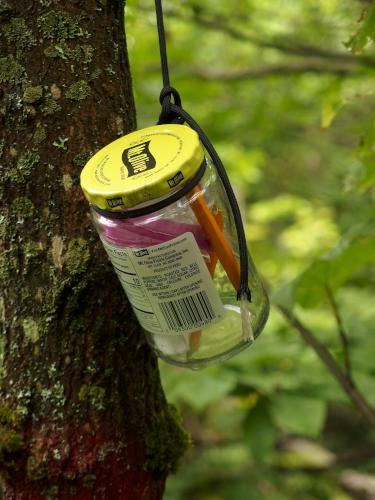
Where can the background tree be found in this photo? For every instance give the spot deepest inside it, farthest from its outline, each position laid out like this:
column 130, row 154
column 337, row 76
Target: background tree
column 286, row 92
column 82, row 411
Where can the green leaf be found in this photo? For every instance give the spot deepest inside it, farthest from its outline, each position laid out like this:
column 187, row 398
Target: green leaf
column 333, row 270
column 365, row 383
column 199, row 389
column 285, row 295
column 368, row 179
column 351, row 260
column 358, row 42
column 260, row 431
column 298, row 414
column 329, row 112
column 312, row 283
column 367, row 154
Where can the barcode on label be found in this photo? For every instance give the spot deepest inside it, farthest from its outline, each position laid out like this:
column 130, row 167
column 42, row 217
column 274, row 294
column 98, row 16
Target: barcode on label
column 188, row 312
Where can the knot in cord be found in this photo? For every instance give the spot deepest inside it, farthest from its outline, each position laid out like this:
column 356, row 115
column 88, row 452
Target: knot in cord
column 167, row 115
column 168, row 92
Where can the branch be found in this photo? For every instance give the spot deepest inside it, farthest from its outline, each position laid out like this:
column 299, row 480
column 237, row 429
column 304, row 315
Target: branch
column 342, row 332
column 274, row 70
column 326, row 357
column 288, row 47
column 356, row 456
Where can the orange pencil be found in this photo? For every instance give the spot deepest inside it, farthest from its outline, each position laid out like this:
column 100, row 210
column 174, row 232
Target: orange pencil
column 219, row 217
column 194, row 338
column 216, row 236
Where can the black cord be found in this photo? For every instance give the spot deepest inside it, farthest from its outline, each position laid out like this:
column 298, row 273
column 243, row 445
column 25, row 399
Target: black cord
column 162, row 43
column 167, row 92
column 172, row 112
column 244, row 262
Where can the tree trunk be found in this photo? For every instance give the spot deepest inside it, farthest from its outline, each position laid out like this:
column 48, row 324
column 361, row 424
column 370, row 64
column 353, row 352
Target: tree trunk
column 82, row 412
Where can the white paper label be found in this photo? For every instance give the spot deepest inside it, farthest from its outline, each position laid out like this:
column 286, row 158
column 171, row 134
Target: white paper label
column 168, row 285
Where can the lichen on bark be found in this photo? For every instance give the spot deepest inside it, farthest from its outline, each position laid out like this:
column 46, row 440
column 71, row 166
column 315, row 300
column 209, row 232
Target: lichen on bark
column 32, row 94
column 60, row 25
column 11, row 71
column 17, row 33
column 78, row 91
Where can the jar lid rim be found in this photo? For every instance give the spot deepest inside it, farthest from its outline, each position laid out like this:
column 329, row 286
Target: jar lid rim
column 141, row 166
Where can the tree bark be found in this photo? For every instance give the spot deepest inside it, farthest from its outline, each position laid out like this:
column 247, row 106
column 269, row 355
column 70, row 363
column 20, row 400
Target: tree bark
column 82, row 413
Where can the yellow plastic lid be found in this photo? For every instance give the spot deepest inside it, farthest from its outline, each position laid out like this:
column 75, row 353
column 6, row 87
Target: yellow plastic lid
column 141, row 166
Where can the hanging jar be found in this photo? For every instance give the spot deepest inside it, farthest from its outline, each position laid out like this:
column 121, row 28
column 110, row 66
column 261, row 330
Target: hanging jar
column 166, row 223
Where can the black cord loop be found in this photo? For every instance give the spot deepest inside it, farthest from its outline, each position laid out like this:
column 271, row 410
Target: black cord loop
column 172, row 112
column 165, row 99
column 169, row 91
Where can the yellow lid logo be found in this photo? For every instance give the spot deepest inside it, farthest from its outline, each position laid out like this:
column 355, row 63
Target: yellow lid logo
column 138, row 158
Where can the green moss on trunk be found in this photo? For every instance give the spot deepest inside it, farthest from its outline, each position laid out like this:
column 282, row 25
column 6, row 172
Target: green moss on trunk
column 166, row 442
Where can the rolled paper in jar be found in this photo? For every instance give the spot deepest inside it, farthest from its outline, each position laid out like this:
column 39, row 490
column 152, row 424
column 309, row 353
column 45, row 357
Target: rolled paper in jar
column 138, row 234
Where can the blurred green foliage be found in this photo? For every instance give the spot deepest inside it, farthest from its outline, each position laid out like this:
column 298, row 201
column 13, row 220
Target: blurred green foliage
column 285, row 92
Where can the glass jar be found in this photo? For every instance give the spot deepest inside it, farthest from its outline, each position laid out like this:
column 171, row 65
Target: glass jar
column 177, row 254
